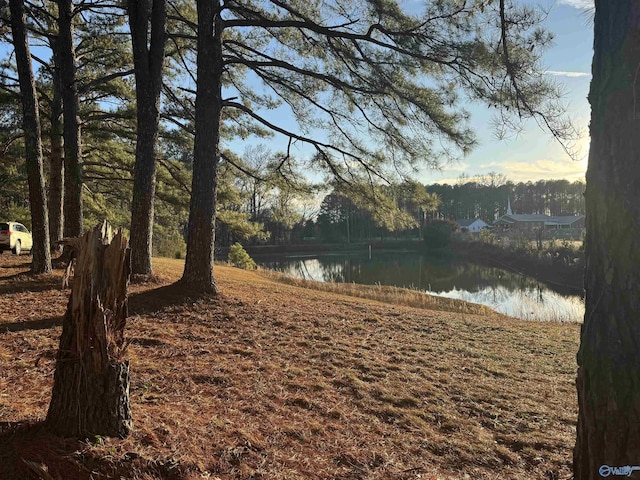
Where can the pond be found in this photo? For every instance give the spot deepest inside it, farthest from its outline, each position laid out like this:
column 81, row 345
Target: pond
column 506, row 292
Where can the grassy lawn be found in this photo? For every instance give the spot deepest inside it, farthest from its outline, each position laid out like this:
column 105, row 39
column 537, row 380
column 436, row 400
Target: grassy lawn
column 278, row 381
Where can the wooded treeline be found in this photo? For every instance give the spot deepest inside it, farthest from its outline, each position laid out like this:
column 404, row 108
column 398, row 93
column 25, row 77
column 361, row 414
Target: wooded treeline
column 481, row 199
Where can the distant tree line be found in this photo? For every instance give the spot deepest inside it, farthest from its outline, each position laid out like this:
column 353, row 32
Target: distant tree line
column 488, row 201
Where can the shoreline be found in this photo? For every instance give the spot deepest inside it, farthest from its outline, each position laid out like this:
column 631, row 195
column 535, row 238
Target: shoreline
column 561, row 273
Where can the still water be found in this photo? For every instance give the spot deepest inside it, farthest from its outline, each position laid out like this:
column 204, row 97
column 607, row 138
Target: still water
column 506, row 292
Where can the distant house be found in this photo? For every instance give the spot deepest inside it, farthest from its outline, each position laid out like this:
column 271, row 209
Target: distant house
column 531, row 221
column 517, row 221
column 473, row 225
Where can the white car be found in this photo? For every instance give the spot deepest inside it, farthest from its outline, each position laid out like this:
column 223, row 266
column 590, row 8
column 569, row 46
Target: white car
column 15, row 237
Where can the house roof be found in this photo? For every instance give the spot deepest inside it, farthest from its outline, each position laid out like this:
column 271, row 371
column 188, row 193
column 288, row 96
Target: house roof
column 548, row 220
column 465, row 222
column 566, row 220
column 522, row 218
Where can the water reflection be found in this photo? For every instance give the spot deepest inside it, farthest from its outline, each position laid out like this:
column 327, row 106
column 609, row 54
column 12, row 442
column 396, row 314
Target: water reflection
column 529, row 304
column 506, row 292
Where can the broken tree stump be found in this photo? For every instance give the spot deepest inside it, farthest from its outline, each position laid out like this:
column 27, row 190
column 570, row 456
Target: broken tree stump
column 91, row 383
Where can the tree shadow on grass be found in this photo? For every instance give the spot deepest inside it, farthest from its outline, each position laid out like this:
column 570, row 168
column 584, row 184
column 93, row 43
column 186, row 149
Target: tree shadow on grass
column 29, row 452
column 146, row 302
column 156, row 299
column 16, row 265
column 41, row 324
column 27, row 282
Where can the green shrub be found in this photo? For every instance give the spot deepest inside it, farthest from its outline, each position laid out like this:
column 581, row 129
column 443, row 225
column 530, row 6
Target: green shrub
column 437, row 234
column 238, row 257
column 522, row 243
column 486, row 236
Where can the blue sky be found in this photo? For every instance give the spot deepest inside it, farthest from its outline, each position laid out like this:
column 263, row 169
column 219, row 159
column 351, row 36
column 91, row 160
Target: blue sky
column 534, row 154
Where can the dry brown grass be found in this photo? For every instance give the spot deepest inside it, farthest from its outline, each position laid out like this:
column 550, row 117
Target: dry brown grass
column 275, row 381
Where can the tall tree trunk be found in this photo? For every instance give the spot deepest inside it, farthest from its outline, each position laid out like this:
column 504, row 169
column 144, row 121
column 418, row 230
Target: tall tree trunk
column 148, row 58
column 608, row 380
column 198, row 273
column 33, row 141
column 91, row 383
column 71, row 106
column 56, row 160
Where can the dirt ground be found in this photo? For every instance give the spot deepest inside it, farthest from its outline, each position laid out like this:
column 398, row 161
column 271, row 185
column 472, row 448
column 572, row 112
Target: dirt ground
column 274, row 381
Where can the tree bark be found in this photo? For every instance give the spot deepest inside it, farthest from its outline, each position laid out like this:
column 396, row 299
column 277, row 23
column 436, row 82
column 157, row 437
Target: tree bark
column 72, row 149
column 33, row 141
column 608, row 380
column 56, row 160
column 91, row 382
column 148, row 58
column 198, row 273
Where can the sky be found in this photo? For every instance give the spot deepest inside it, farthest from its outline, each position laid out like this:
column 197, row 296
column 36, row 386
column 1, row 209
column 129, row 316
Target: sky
column 534, row 154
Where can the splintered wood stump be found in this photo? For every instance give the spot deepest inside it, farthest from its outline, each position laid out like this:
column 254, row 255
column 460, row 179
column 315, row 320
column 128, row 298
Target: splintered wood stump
column 91, row 382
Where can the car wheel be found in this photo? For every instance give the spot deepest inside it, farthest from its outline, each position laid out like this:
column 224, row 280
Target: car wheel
column 18, row 248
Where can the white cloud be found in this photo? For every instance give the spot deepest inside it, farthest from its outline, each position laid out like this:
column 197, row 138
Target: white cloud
column 517, row 166
column 531, row 171
column 519, row 171
column 448, row 181
column 486, row 166
column 545, row 169
column 557, row 73
column 581, row 4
